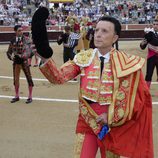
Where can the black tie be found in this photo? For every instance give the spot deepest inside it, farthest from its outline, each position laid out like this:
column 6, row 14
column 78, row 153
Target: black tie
column 102, row 63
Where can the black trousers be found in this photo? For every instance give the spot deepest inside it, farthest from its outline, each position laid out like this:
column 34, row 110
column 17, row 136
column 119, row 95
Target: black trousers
column 152, row 62
column 68, row 54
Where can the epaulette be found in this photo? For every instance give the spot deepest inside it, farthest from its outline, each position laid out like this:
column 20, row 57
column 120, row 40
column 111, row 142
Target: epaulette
column 84, row 58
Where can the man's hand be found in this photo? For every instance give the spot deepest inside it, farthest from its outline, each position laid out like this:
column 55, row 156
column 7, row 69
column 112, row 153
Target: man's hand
column 66, row 45
column 10, row 57
column 102, row 119
column 144, row 42
column 18, row 55
column 59, row 38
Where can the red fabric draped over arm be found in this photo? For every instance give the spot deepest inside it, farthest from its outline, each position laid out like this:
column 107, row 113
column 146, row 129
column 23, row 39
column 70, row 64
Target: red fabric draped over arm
column 134, row 138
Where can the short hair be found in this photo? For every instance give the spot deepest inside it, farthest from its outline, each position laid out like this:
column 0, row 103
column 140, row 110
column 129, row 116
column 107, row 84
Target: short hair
column 156, row 18
column 16, row 27
column 117, row 25
column 67, row 28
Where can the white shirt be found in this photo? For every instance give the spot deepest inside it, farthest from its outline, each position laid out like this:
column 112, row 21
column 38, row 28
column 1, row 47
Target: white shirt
column 18, row 39
column 106, row 56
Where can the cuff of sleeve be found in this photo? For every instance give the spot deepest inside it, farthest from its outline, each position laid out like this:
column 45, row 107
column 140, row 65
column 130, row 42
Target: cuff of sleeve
column 43, row 62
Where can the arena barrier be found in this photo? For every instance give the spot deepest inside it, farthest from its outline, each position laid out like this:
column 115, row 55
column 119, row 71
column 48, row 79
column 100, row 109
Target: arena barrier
column 129, row 32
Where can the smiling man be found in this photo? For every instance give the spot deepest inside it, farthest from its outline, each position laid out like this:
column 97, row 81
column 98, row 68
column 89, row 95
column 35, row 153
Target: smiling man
column 115, row 112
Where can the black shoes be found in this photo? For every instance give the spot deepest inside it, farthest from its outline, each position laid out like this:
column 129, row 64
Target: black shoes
column 28, row 101
column 15, row 100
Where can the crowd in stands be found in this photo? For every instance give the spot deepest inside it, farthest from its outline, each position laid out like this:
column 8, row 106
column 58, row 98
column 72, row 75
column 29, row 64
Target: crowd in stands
column 128, row 12
column 13, row 14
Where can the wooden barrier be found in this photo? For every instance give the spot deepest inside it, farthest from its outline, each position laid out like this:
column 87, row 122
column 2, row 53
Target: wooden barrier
column 58, row 28
column 5, row 37
column 128, row 32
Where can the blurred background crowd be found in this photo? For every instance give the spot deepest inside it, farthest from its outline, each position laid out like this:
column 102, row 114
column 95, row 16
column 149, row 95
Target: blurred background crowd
column 128, row 12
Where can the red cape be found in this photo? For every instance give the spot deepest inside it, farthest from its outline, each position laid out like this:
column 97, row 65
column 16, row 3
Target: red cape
column 134, row 138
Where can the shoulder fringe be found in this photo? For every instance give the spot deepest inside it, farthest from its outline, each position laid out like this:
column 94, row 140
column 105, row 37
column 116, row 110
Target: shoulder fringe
column 85, row 58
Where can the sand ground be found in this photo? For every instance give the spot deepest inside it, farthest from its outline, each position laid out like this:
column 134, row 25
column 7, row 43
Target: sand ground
column 46, row 128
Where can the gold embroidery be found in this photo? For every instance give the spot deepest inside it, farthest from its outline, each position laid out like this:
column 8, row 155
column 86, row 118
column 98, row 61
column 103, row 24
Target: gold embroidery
column 125, row 83
column 137, row 77
column 105, row 76
column 89, row 95
column 89, row 116
column 107, row 66
column 120, row 95
column 120, row 113
column 82, row 72
column 122, row 105
column 95, row 84
column 105, row 100
column 131, row 65
column 84, row 110
column 97, row 89
column 93, row 74
column 118, row 103
column 90, row 73
column 84, row 57
column 92, row 85
column 107, row 73
column 109, row 154
column 93, row 124
column 107, row 88
column 111, row 110
column 96, row 63
column 78, row 145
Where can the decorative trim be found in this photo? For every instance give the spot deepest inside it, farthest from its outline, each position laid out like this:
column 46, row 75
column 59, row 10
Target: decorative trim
column 115, row 89
column 89, row 115
column 107, row 81
column 78, row 144
column 106, row 92
column 122, row 106
column 125, row 112
column 105, row 103
column 96, row 67
column 93, row 77
column 91, row 88
column 107, row 70
column 89, row 98
column 126, row 64
column 85, row 58
column 137, row 77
